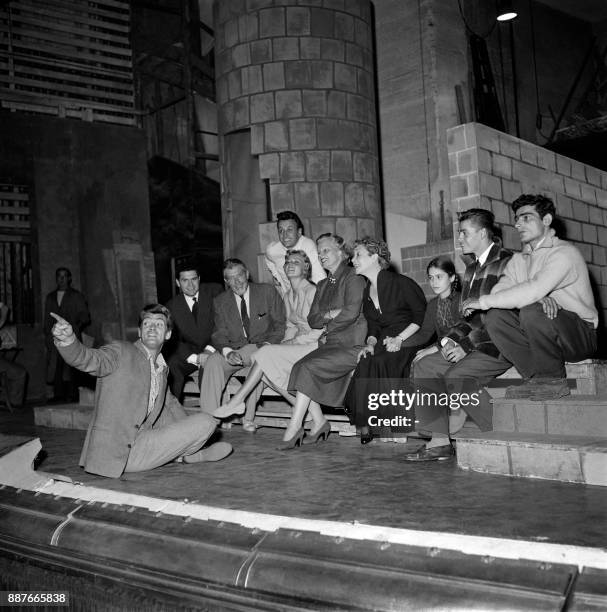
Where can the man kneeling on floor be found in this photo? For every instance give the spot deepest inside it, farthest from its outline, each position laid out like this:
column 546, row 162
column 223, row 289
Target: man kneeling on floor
column 542, row 309
column 137, row 425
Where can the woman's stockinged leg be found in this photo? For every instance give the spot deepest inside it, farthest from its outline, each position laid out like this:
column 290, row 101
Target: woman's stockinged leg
column 302, row 403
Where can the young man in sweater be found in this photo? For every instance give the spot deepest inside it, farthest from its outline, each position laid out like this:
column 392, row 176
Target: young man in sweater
column 541, row 313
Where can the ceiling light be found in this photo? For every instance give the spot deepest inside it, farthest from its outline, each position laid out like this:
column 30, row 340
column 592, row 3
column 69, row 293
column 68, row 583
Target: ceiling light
column 505, row 11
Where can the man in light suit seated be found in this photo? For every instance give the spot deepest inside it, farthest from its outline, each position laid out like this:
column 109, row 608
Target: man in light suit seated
column 137, row 425
column 247, row 316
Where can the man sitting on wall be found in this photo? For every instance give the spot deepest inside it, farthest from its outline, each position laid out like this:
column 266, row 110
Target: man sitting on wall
column 542, row 311
column 137, row 425
column 468, row 358
column 290, row 236
column 192, row 312
column 247, row 316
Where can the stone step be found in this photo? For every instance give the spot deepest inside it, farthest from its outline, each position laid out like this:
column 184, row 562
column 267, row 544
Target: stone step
column 78, row 416
column 587, row 377
column 578, row 415
column 63, row 416
column 581, row 459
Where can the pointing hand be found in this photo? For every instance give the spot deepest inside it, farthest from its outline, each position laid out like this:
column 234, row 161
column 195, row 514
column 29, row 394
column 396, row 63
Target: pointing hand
column 62, row 331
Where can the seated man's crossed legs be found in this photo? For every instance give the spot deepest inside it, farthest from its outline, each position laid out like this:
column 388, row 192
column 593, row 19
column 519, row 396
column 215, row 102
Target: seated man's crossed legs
column 215, row 375
column 460, row 381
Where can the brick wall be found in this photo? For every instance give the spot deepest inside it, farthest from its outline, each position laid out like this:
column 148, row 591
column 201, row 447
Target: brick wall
column 300, row 76
column 415, row 259
column 489, row 169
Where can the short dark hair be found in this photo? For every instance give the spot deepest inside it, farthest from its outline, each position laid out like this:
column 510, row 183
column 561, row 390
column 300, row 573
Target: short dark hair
column 289, row 215
column 446, row 265
column 234, row 262
column 341, row 243
column 542, row 204
column 377, row 247
column 63, row 269
column 482, row 218
column 156, row 309
column 185, row 266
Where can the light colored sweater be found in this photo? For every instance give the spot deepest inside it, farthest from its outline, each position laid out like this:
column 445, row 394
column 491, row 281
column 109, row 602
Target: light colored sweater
column 554, row 269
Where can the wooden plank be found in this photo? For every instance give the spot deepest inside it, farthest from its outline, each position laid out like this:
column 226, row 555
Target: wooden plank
column 13, row 210
column 26, row 97
column 121, row 33
column 83, row 70
column 7, row 224
column 25, row 238
column 46, row 75
column 84, row 31
column 59, row 87
column 86, row 10
column 46, row 36
column 11, row 195
column 82, row 57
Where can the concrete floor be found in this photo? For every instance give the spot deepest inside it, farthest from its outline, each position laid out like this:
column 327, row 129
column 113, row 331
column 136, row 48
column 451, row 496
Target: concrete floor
column 342, row 480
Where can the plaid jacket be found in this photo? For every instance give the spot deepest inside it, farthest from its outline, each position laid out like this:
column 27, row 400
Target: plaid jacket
column 470, row 333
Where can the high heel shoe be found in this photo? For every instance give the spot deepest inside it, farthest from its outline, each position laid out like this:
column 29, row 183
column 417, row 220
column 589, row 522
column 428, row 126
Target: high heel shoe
column 225, row 411
column 323, row 432
column 365, row 438
column 293, row 441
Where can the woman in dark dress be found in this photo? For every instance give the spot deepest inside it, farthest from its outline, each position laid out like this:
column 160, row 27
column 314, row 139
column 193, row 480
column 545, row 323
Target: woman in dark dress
column 322, row 376
column 394, row 307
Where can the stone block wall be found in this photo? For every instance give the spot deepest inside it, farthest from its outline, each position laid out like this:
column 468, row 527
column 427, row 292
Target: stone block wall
column 489, row 169
column 299, row 75
column 415, row 259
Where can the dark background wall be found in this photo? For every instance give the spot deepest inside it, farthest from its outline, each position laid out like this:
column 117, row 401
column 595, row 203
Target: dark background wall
column 89, row 190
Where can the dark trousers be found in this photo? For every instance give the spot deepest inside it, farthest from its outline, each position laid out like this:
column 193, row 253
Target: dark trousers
column 179, row 370
column 539, row 346
column 434, row 374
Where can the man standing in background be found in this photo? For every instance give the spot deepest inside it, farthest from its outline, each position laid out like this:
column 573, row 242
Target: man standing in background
column 71, row 306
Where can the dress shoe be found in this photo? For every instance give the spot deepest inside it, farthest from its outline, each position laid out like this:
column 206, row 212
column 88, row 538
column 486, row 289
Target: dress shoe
column 365, row 438
column 214, row 452
column 249, row 426
column 292, row 442
column 226, row 410
column 437, row 453
column 323, row 432
column 550, row 389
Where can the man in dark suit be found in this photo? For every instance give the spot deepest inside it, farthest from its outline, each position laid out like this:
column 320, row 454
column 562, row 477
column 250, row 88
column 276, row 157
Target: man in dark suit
column 137, row 425
column 71, row 305
column 468, row 358
column 247, row 316
column 192, row 312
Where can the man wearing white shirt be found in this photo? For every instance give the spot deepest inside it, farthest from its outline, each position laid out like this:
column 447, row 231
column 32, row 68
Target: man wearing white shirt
column 290, row 236
column 192, row 312
column 246, row 316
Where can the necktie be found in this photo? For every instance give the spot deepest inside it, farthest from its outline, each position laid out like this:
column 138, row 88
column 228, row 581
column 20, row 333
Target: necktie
column 244, row 315
column 195, row 309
